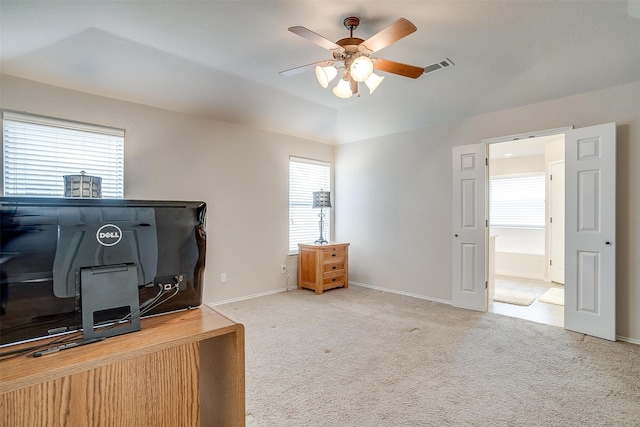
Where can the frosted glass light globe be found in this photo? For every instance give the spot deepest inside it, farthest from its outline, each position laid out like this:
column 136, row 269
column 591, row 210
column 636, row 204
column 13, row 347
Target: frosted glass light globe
column 343, row 89
column 361, row 68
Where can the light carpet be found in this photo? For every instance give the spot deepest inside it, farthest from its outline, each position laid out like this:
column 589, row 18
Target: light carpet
column 553, row 296
column 361, row 357
column 513, row 297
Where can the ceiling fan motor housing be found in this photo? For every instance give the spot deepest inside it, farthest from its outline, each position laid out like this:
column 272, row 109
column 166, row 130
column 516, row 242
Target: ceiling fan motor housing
column 351, row 23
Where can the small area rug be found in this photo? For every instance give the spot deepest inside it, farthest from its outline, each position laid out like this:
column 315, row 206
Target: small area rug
column 553, row 296
column 513, row 297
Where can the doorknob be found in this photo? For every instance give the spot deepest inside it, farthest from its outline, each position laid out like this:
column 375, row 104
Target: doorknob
column 455, row 235
column 607, row 243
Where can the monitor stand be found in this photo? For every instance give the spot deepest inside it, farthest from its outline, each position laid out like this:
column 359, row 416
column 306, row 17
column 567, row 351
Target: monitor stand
column 110, row 302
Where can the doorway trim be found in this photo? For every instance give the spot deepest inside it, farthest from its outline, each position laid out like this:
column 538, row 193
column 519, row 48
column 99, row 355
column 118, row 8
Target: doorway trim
column 551, row 244
column 527, row 135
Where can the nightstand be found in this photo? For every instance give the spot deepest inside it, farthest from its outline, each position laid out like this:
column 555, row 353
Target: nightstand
column 322, row 267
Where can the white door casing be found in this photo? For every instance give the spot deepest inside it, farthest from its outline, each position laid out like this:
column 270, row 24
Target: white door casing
column 556, row 222
column 590, row 230
column 470, row 230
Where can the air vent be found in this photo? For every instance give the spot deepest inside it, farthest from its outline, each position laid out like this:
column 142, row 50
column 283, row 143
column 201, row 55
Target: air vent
column 438, row 66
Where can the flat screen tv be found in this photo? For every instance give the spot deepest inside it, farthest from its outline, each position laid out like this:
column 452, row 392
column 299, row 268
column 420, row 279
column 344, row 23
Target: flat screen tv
column 49, row 246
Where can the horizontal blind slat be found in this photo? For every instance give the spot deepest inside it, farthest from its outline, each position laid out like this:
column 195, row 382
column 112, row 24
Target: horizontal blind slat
column 305, row 177
column 517, row 201
column 39, row 151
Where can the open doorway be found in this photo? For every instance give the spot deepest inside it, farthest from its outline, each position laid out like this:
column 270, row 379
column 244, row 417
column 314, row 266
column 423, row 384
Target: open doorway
column 526, row 245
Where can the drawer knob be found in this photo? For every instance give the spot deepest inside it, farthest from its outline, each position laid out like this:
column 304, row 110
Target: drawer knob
column 333, row 254
column 333, row 280
column 334, row 267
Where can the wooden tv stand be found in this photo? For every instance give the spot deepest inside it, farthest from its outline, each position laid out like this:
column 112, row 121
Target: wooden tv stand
column 180, row 369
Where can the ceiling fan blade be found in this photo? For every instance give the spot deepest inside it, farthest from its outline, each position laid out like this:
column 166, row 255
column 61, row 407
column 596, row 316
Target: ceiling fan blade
column 394, row 32
column 303, row 68
column 398, row 68
column 314, row 38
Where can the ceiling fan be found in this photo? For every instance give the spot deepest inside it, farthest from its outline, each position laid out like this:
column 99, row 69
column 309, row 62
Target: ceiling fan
column 352, row 55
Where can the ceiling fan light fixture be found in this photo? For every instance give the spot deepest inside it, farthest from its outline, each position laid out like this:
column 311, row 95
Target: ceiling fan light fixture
column 373, row 82
column 351, row 57
column 343, row 89
column 361, row 68
column 325, row 74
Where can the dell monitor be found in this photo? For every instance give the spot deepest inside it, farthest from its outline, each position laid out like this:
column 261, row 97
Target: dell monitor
column 69, row 264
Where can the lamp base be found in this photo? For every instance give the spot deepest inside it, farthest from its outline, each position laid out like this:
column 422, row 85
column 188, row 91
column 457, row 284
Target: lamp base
column 321, row 240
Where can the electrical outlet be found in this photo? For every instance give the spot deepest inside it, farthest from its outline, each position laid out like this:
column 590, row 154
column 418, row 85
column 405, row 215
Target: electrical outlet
column 223, row 277
column 283, row 269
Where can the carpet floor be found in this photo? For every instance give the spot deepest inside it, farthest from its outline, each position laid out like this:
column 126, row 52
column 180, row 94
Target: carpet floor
column 361, row 357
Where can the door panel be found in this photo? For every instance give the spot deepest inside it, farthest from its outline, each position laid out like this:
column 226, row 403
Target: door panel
column 590, row 231
column 469, row 227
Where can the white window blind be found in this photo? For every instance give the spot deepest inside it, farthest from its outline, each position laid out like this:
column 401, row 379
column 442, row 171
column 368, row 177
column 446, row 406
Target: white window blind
column 518, row 201
column 39, row 151
column 305, row 177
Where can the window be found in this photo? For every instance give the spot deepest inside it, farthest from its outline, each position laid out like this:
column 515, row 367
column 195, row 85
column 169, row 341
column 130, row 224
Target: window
column 518, row 201
column 305, row 177
column 39, row 151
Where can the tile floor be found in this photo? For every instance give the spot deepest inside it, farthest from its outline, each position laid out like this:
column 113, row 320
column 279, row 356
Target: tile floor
column 540, row 312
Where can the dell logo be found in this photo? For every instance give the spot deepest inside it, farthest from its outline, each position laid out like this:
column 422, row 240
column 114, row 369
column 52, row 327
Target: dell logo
column 109, row 235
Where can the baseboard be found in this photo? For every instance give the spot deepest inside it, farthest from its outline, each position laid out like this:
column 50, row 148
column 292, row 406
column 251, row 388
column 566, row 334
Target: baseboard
column 261, row 294
column 627, row 339
column 393, row 291
column 519, row 274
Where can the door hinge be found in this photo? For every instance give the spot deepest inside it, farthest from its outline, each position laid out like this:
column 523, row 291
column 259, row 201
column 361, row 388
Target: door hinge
column 551, row 220
column 486, row 223
column 550, row 177
column 550, row 262
column 486, row 161
column 486, row 285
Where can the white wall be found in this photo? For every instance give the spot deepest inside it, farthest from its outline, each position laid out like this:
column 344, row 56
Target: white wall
column 393, row 195
column 241, row 173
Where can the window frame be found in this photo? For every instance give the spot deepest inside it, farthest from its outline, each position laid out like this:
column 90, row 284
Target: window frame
column 540, row 204
column 37, row 151
column 311, row 220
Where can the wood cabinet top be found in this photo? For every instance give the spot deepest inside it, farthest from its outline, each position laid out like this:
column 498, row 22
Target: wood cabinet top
column 330, row 244
column 156, row 333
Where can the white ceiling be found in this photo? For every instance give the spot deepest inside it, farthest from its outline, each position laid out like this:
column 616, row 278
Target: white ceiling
column 221, row 58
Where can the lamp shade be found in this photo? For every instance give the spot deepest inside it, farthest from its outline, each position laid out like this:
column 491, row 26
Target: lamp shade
column 325, row 74
column 321, row 199
column 83, row 186
column 343, row 89
column 361, row 68
column 373, row 81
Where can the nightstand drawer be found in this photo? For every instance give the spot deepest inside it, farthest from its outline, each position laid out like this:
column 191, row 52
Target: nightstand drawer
column 333, row 254
column 333, row 281
column 333, row 267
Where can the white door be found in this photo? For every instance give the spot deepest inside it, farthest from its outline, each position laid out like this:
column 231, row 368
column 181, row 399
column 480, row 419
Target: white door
column 590, row 231
column 556, row 222
column 469, row 227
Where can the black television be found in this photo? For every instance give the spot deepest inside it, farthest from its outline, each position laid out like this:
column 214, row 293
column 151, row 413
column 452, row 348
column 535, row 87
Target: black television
column 50, row 247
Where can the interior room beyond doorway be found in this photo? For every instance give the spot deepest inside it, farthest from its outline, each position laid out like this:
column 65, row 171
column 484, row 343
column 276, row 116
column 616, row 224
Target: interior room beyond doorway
column 524, row 244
